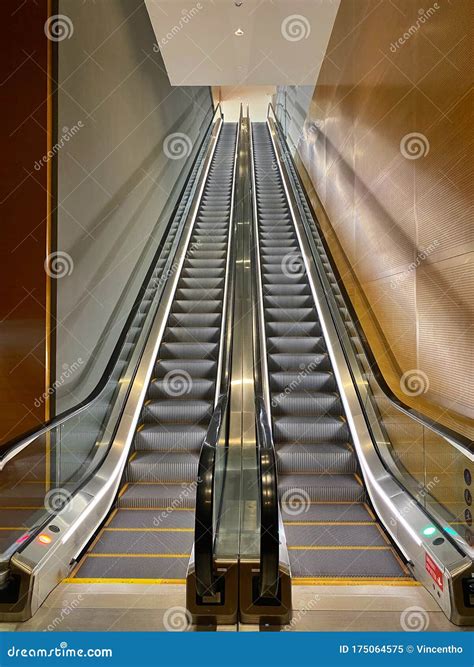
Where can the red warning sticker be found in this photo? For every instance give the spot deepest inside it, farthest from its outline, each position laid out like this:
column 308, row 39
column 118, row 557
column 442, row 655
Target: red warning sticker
column 434, row 571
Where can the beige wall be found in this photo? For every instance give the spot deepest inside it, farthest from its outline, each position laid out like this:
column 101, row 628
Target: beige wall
column 404, row 225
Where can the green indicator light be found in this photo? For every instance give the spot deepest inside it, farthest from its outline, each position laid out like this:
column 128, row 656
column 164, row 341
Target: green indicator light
column 451, row 531
column 429, row 530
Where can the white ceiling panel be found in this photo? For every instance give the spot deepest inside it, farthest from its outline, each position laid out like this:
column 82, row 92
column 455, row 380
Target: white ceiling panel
column 240, row 42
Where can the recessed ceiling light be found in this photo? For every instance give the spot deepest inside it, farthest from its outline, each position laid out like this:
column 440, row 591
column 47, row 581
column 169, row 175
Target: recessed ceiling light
column 239, row 32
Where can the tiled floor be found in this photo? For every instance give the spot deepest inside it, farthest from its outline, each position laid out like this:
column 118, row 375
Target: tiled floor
column 122, row 607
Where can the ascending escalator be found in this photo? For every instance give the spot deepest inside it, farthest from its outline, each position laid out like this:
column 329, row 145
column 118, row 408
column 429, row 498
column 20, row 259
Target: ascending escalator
column 149, row 534
column 330, row 528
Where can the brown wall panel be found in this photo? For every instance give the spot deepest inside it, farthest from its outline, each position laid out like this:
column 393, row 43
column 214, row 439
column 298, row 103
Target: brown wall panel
column 23, row 214
column 400, row 223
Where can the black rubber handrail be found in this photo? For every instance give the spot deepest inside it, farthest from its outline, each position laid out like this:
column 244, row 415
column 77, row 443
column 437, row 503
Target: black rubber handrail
column 19, row 443
column 204, row 531
column 461, row 441
column 266, row 456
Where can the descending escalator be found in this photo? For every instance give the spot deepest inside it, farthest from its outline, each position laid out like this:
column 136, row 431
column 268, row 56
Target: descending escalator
column 331, row 531
column 149, row 534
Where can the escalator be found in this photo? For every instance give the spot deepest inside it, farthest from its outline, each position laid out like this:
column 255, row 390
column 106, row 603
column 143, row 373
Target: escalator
column 149, row 535
column 330, row 528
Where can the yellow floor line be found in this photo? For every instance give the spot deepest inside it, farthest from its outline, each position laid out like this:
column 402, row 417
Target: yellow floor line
column 347, row 581
column 329, row 523
column 338, row 548
column 149, row 530
column 137, row 555
column 23, row 528
column 71, row 580
column 156, row 509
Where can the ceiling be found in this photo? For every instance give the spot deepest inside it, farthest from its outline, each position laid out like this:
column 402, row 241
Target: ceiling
column 239, row 42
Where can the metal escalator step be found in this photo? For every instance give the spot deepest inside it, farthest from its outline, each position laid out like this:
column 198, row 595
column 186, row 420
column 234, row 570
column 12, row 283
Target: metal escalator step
column 192, row 334
column 176, row 410
column 153, row 466
column 199, row 306
column 298, row 362
column 304, row 430
column 324, row 487
column 194, row 319
column 163, row 518
column 148, row 542
column 325, row 457
column 195, row 350
column 321, row 511
column 295, row 344
column 150, row 496
column 176, row 437
column 200, row 389
column 341, row 563
column 278, row 329
column 275, row 289
column 302, row 404
column 133, row 568
column 335, row 535
column 289, row 315
column 187, row 367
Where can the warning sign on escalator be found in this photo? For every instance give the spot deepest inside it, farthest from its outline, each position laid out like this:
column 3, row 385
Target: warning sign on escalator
column 434, row 571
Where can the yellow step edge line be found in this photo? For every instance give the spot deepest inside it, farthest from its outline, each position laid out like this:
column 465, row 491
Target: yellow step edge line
column 155, row 509
column 137, row 555
column 338, row 548
column 148, row 582
column 329, row 523
column 23, row 528
column 320, row 581
column 149, row 530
